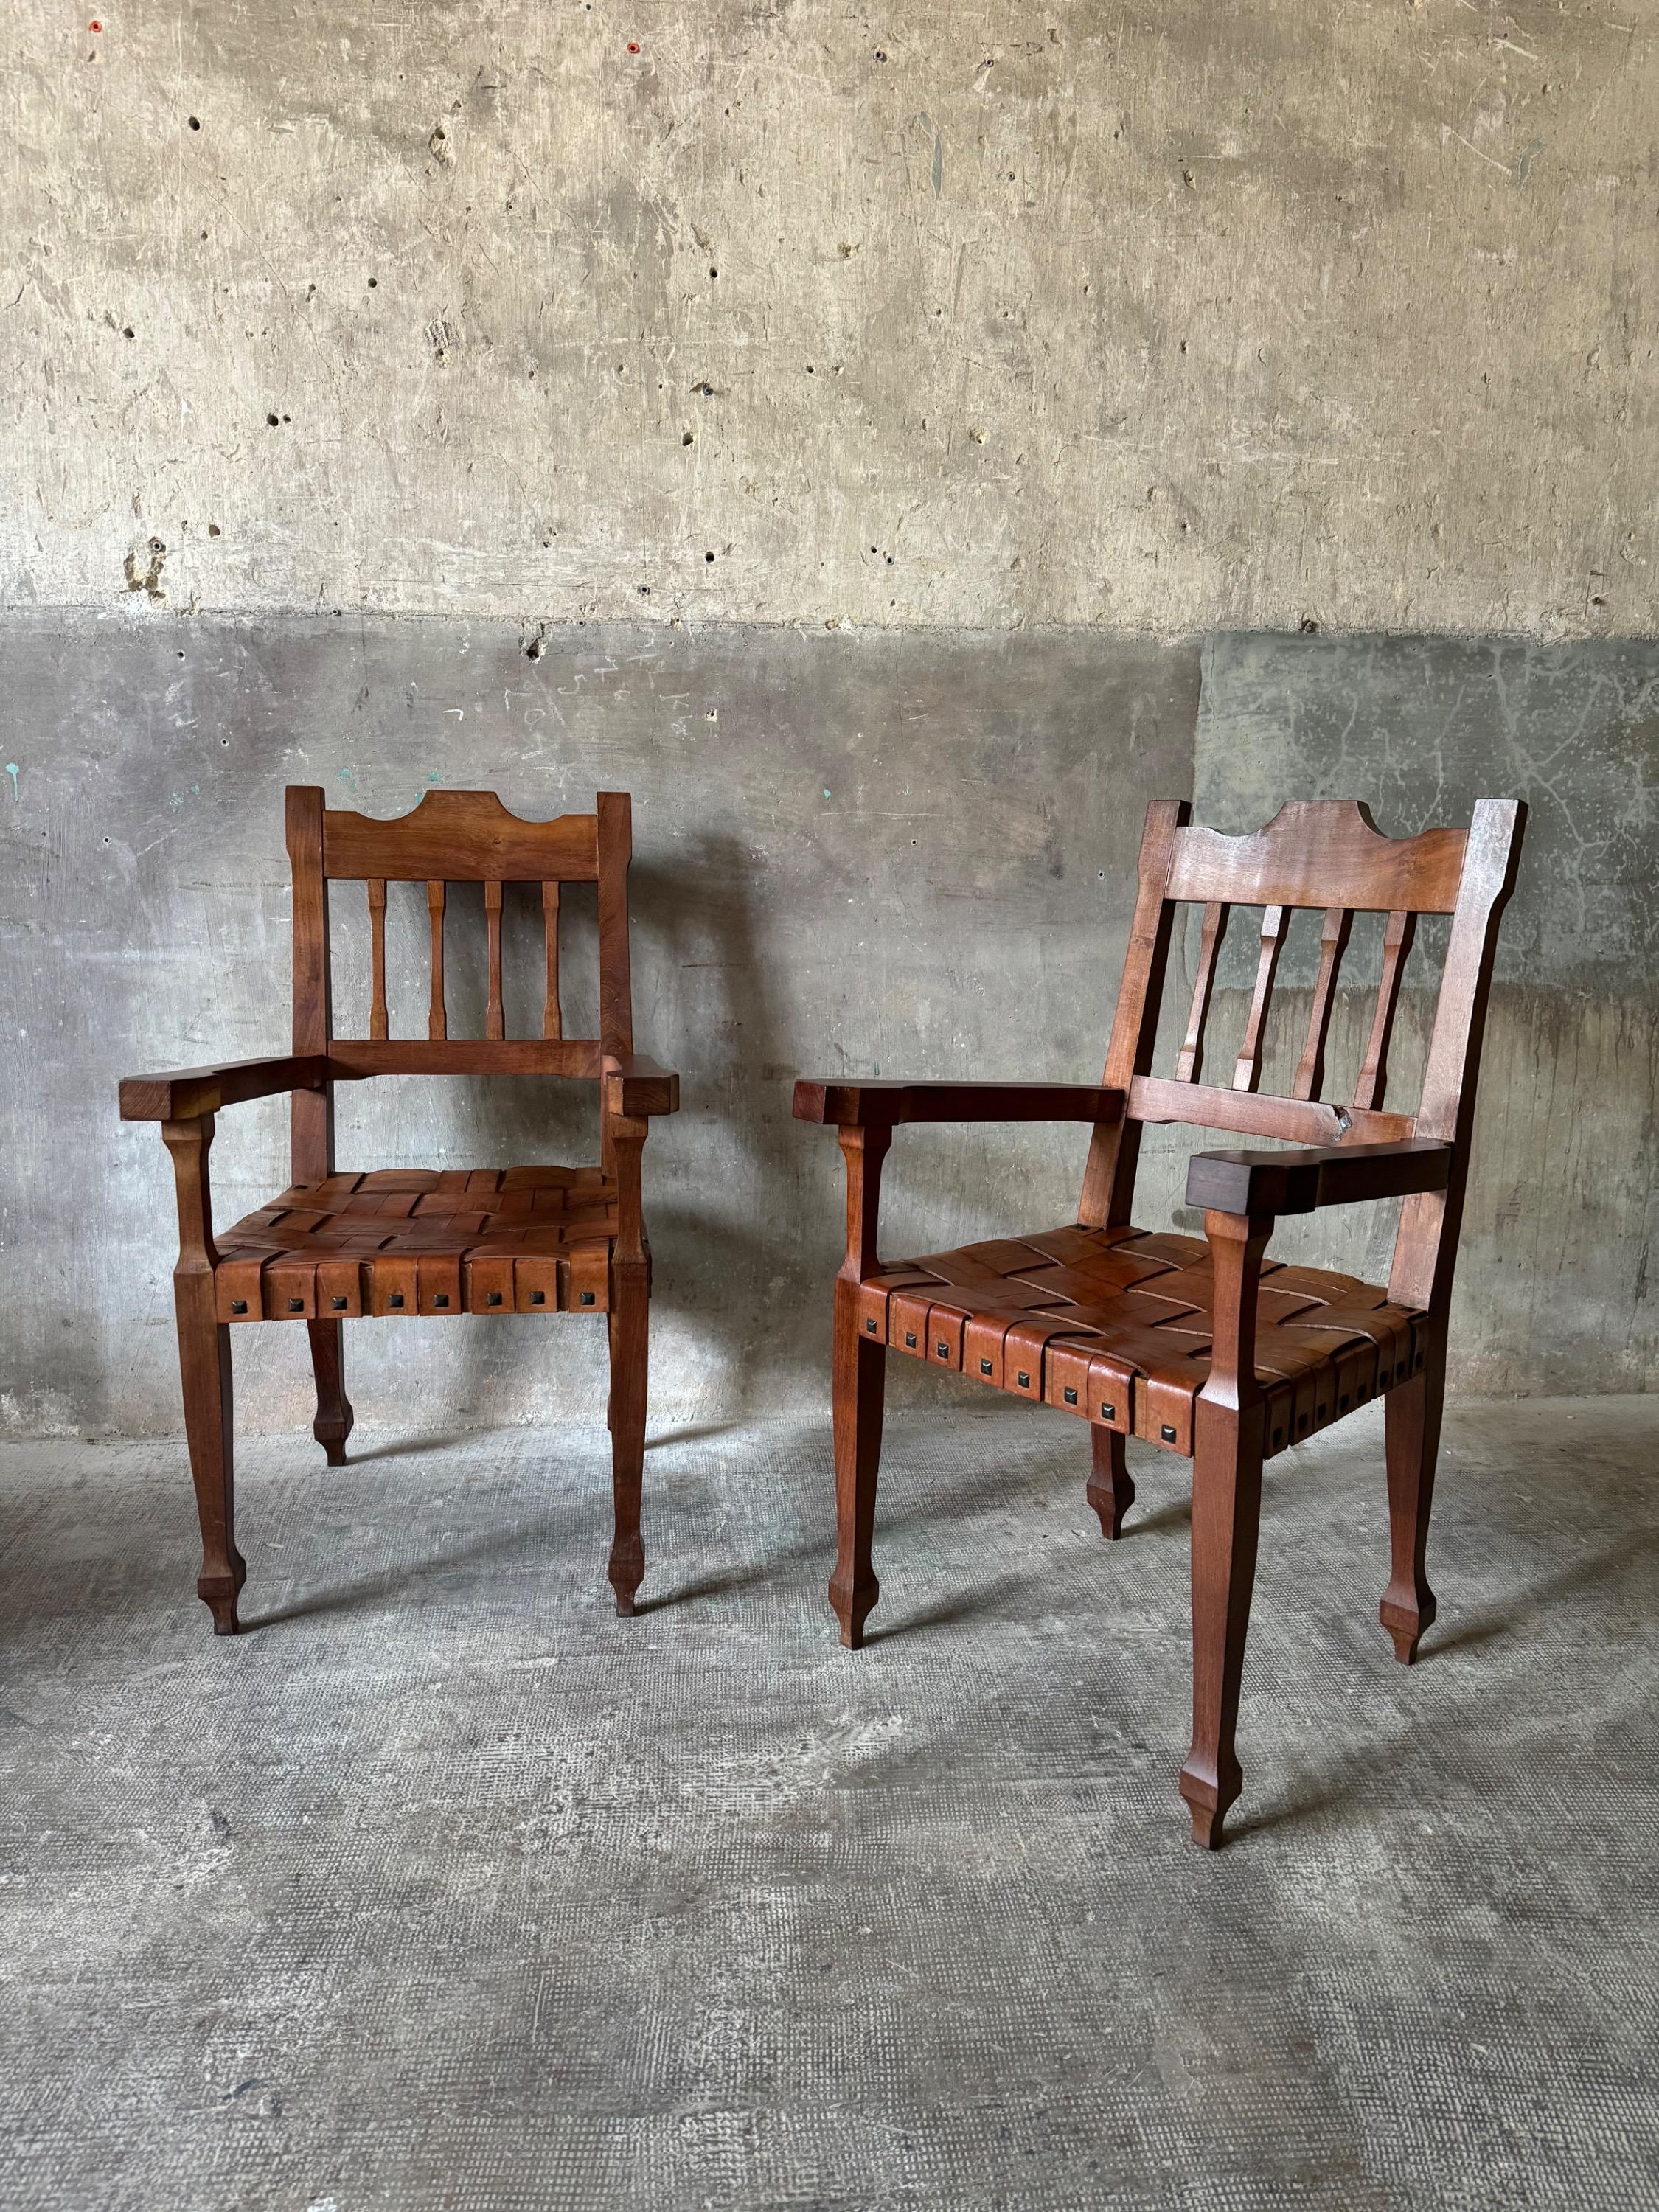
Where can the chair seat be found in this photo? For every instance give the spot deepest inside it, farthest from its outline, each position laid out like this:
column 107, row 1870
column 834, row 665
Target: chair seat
column 1114, row 1325
column 489, row 1239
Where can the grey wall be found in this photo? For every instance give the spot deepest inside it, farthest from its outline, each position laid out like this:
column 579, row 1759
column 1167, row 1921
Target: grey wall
column 881, row 853
column 1076, row 407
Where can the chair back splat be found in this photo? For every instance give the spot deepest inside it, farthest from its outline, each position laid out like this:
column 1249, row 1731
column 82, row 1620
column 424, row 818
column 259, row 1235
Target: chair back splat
column 1327, row 855
column 452, row 837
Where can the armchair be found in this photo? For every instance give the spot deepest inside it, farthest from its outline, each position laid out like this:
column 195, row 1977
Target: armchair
column 337, row 1246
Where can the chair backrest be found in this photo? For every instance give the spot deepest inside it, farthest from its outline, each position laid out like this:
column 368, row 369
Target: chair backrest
column 1329, row 856
column 452, row 837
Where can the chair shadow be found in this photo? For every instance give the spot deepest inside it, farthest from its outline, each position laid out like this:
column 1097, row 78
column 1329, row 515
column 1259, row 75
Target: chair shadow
column 402, row 1447
column 945, row 1613
column 384, row 1582
column 1498, row 1621
column 1352, row 1780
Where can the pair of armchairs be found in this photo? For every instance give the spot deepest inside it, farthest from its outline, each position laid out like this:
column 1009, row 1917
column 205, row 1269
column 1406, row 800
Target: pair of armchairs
column 1205, row 1348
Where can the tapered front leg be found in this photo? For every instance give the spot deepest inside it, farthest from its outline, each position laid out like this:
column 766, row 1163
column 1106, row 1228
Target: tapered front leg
column 1110, row 1491
column 335, row 1419
column 1227, row 1438
column 860, row 1378
column 1226, row 1514
column 629, row 1327
column 204, row 1368
column 859, row 1384
column 1411, row 1417
column 204, row 1374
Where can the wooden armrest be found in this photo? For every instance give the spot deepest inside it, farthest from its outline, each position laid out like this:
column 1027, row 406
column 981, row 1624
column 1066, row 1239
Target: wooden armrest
column 634, row 1085
column 182, row 1093
column 1314, row 1176
column 884, row 1105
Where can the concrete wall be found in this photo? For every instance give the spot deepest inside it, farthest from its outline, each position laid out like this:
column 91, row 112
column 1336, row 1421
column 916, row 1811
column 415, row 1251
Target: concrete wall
column 894, row 448
column 1171, row 320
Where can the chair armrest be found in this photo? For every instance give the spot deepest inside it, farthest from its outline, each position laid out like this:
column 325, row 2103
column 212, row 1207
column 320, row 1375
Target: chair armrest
column 1313, row 1176
column 884, row 1105
column 182, row 1093
column 634, row 1085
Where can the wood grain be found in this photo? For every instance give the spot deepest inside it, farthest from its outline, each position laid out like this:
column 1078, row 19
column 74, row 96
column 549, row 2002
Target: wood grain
column 460, row 837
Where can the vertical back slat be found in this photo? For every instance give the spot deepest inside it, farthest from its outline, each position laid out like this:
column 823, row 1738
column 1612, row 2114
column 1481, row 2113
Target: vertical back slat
column 616, row 813
column 495, row 1014
column 1191, row 1057
column 1333, row 944
column 1248, row 1071
column 1373, row 1074
column 313, row 1113
column 437, row 1020
column 552, row 1020
column 378, row 1026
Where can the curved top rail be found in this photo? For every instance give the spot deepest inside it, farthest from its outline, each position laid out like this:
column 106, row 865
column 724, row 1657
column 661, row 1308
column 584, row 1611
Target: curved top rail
column 460, row 836
column 1320, row 852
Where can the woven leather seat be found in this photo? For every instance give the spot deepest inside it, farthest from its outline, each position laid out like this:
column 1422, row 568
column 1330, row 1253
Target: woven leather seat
column 1114, row 1325
column 513, row 1240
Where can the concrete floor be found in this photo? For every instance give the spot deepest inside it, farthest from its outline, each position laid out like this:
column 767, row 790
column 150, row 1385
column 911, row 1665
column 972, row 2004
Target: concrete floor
column 444, row 1888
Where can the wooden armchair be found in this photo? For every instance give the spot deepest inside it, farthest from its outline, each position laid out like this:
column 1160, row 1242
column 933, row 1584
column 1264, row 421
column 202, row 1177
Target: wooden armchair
column 336, row 1247
column 1208, row 1349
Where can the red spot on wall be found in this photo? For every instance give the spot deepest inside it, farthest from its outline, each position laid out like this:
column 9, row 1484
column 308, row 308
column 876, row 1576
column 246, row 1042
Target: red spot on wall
column 95, row 25
column 633, row 45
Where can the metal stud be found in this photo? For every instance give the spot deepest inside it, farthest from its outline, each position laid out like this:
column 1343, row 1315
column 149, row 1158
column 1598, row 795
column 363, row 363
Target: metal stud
column 396, row 1302
column 492, row 1298
column 296, row 1305
column 587, row 1298
column 338, row 1304
column 1024, row 1382
column 1071, row 1397
column 869, row 1328
column 1342, row 1403
column 1107, row 1413
column 984, row 1366
column 910, row 1338
column 440, row 1298
column 942, row 1349
column 239, row 1305
column 538, row 1298
column 1167, row 1433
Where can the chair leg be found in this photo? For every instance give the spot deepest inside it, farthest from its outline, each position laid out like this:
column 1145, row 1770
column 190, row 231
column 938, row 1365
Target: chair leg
column 1411, row 1418
column 335, row 1419
column 859, row 1383
column 204, row 1371
column 629, row 1326
column 1226, row 1515
column 1111, row 1492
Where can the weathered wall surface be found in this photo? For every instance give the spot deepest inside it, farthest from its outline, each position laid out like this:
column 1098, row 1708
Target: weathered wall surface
column 1167, row 321
column 886, row 853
